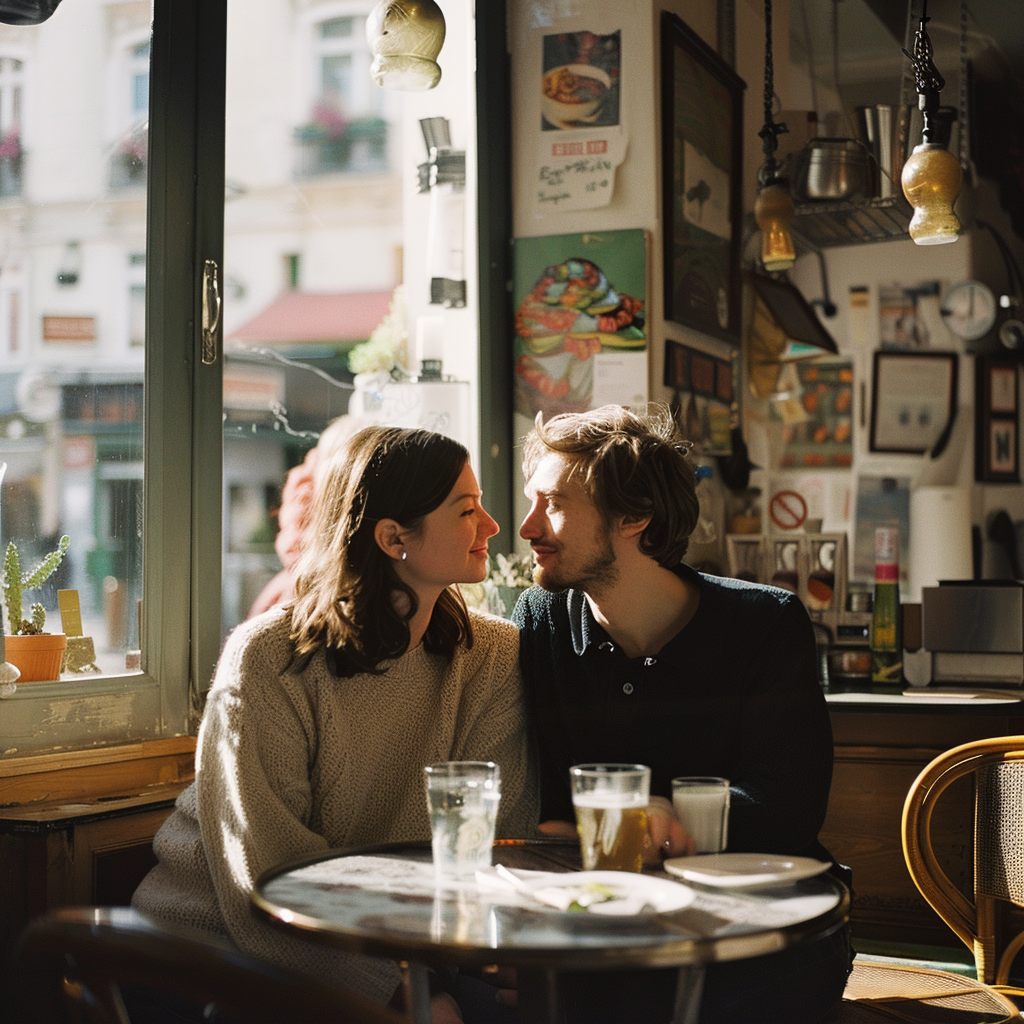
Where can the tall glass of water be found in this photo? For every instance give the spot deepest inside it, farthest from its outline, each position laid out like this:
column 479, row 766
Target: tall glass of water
column 462, row 797
column 610, row 801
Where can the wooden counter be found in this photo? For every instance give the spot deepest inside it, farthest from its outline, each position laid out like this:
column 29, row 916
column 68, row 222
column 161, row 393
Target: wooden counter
column 880, row 748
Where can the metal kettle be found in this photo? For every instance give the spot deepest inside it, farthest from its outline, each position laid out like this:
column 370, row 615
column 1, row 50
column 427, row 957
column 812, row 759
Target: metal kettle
column 832, row 169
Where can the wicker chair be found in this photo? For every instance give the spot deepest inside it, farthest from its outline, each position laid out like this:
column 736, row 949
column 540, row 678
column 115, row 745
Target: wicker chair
column 71, row 964
column 998, row 767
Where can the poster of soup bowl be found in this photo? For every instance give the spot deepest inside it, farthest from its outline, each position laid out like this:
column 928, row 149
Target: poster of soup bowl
column 580, row 80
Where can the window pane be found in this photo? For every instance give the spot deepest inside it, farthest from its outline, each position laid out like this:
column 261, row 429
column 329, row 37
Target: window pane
column 72, row 323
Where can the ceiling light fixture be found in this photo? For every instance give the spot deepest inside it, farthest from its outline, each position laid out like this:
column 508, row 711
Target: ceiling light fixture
column 932, row 175
column 773, row 210
column 405, row 37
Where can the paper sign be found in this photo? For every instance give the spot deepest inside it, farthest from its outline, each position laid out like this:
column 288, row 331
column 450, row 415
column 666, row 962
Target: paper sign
column 576, row 169
column 70, row 612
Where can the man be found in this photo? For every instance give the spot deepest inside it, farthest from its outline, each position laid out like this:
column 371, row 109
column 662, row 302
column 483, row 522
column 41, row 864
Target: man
column 628, row 655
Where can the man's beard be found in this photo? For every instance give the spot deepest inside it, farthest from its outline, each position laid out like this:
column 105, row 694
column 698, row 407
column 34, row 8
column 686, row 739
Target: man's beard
column 594, row 576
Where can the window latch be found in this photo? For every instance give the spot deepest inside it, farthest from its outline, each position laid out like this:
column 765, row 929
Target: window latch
column 211, row 312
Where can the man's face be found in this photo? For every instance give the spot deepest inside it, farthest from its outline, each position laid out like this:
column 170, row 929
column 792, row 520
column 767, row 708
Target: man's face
column 572, row 544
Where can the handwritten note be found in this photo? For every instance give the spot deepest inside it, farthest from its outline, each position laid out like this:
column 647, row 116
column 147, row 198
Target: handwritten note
column 577, row 171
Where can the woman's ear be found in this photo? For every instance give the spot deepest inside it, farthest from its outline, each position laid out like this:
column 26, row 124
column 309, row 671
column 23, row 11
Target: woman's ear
column 388, row 535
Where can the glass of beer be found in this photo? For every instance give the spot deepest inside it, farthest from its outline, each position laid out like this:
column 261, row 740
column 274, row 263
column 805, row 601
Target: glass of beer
column 611, row 814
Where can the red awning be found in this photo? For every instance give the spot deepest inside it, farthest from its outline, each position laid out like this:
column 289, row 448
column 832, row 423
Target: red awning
column 302, row 317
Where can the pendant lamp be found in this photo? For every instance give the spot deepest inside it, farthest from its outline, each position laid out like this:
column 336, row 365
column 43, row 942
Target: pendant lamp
column 931, row 176
column 405, row 37
column 773, row 209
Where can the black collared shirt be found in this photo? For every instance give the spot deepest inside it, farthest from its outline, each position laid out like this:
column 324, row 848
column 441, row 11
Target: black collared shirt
column 733, row 694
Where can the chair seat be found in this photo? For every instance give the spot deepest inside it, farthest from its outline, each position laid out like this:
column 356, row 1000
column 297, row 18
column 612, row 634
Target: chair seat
column 887, row 992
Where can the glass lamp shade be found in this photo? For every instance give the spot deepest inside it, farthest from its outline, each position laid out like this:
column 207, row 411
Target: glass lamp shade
column 931, row 182
column 774, row 212
column 405, row 37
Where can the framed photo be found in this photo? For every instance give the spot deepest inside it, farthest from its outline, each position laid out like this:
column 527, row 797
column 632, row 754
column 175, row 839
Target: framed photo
column 913, row 400
column 704, row 405
column 702, row 147
column 996, row 456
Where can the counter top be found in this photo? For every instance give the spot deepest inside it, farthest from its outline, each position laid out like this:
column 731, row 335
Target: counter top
column 928, row 700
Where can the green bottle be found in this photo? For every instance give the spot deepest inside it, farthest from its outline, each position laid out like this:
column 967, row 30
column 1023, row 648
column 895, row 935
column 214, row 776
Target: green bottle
column 886, row 634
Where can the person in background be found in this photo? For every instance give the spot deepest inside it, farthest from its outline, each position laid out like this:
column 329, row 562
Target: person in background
column 293, row 514
column 323, row 712
column 629, row 655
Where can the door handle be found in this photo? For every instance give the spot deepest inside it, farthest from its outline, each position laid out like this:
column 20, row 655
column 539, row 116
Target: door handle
column 211, row 311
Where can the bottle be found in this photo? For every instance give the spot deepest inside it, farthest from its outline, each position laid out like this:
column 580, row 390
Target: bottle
column 886, row 639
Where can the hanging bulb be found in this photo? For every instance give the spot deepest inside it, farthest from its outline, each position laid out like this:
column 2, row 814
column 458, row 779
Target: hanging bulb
column 774, row 212
column 931, row 182
column 405, row 37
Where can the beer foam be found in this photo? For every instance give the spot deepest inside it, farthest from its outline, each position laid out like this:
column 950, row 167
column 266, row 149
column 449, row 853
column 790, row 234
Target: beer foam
column 609, row 801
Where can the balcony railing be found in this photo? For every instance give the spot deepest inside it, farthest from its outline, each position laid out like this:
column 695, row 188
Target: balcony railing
column 362, row 146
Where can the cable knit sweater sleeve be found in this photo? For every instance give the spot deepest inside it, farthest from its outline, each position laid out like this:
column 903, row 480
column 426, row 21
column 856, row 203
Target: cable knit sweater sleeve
column 258, row 742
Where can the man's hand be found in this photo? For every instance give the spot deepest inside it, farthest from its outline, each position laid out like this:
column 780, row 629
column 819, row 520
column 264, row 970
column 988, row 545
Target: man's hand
column 558, row 828
column 665, row 836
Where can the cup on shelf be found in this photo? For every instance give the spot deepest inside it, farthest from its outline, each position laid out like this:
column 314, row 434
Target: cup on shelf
column 610, row 801
column 702, row 806
column 462, row 798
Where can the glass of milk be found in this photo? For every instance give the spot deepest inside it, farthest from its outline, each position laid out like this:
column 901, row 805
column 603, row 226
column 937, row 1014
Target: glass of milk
column 702, row 807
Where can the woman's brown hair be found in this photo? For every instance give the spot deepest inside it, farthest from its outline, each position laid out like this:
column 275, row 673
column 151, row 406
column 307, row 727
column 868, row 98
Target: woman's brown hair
column 346, row 586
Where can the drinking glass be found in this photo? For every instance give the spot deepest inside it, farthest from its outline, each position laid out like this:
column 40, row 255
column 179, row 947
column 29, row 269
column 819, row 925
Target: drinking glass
column 610, row 801
column 702, row 806
column 462, row 797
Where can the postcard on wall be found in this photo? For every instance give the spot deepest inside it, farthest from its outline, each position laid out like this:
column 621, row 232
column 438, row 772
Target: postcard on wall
column 822, row 436
column 580, row 80
column 908, row 316
column 582, row 142
column 580, row 321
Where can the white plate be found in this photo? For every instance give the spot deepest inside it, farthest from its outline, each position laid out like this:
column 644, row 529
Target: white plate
column 631, row 893
column 739, row 870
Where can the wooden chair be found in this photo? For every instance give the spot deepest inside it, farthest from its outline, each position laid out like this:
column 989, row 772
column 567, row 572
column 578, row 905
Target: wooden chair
column 998, row 768
column 71, row 964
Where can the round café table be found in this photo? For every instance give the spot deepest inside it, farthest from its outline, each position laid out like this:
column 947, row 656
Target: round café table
column 383, row 901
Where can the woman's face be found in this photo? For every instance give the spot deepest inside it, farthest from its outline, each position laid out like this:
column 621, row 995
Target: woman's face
column 451, row 546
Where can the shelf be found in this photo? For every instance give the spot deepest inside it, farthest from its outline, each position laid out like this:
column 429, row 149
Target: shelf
column 823, row 225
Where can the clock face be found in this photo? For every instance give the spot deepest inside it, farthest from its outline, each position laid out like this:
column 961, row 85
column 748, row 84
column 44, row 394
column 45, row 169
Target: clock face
column 969, row 310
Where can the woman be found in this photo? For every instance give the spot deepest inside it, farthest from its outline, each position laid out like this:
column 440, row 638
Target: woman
column 323, row 713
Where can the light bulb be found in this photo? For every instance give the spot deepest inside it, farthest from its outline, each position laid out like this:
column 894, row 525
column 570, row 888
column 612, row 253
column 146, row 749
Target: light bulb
column 931, row 182
column 405, row 37
column 774, row 212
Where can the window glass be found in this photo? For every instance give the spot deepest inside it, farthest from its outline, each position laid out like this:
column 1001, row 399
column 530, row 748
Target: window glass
column 72, row 325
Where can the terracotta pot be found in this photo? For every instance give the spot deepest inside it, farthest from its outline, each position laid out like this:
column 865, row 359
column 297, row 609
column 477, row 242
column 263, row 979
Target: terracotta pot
column 38, row 656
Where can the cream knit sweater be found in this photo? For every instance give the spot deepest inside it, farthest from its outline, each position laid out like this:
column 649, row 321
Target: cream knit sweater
column 293, row 764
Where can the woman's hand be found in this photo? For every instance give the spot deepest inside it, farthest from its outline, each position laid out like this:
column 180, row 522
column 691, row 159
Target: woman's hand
column 665, row 836
column 558, row 828
column 444, row 1009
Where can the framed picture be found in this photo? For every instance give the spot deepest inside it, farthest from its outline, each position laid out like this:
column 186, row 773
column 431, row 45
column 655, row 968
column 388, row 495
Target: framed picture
column 996, row 456
column 704, row 405
column 913, row 400
column 702, row 146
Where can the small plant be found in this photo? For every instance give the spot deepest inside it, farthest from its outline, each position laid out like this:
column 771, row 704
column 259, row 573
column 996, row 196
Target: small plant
column 15, row 583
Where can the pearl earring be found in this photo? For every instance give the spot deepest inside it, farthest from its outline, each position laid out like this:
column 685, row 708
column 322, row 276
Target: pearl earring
column 404, row 555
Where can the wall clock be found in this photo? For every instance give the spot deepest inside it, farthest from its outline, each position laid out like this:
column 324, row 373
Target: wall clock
column 969, row 310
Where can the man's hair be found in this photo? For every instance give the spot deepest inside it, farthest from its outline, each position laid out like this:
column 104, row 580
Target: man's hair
column 632, row 467
column 345, row 584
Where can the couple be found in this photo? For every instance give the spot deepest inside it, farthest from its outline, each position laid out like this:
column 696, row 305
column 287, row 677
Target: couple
column 322, row 713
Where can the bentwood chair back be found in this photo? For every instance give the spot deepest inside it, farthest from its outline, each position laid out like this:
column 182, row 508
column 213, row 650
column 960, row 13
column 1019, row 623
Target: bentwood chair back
column 997, row 766
column 71, row 965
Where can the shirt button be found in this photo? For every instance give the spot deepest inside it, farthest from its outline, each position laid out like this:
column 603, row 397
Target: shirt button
column 606, row 646
column 627, row 688
column 650, row 661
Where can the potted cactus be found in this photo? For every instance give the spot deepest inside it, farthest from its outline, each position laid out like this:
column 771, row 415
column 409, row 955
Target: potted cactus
column 36, row 653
